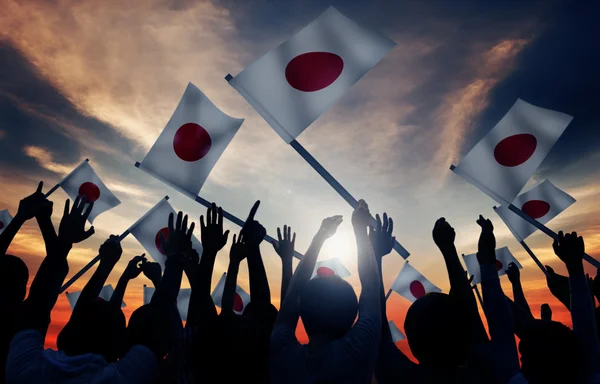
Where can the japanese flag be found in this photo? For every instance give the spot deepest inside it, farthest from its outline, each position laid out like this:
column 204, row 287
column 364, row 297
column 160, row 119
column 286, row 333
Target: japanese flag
column 397, row 335
column 240, row 300
column 329, row 268
column 506, row 158
column 411, row 284
column 503, row 258
column 83, row 181
column 5, row 219
column 295, row 83
column 191, row 143
column 146, row 230
column 105, row 294
column 183, row 300
column 543, row 203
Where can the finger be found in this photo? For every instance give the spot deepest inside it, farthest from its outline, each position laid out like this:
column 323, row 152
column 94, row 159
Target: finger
column 561, row 236
column 213, row 208
column 202, row 225
column 550, row 269
column 253, row 211
column 285, row 233
column 385, row 222
column 226, row 235
column 179, row 220
column 294, row 239
column 555, row 246
column 66, row 211
column 234, row 237
column 391, row 226
column 289, row 233
column 190, row 231
column 184, row 223
column 39, row 187
column 220, row 218
column 378, row 223
column 279, row 238
column 76, row 204
column 89, row 233
column 170, row 225
column 209, row 216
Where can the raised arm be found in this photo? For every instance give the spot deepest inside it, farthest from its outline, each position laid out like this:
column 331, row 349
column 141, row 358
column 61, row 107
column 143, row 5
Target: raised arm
column 570, row 249
column 514, row 276
column 285, row 249
column 132, row 271
column 254, row 233
column 559, row 286
column 238, row 252
column 152, row 271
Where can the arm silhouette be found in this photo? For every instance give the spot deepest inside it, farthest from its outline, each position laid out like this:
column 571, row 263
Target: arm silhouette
column 514, row 276
column 254, row 233
column 238, row 252
column 285, row 249
column 132, row 271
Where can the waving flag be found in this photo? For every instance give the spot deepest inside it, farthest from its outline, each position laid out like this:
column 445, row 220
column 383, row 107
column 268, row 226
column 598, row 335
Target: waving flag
column 105, row 294
column 146, row 230
column 506, row 158
column 183, row 300
column 83, row 181
column 330, row 267
column 240, row 300
column 5, row 219
column 411, row 284
column 397, row 335
column 295, row 83
column 191, row 143
column 543, row 203
column 503, row 258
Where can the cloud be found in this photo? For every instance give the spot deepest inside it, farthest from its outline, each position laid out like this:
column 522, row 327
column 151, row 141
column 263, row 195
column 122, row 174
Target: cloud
column 46, row 160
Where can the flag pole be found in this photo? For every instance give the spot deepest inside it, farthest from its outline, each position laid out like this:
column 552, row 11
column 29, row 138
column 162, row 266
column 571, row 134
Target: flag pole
column 312, row 161
column 539, row 226
column 524, row 245
column 97, row 258
column 478, row 295
column 208, row 204
column 51, row 191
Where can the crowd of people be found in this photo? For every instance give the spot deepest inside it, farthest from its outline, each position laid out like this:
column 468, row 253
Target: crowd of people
column 349, row 336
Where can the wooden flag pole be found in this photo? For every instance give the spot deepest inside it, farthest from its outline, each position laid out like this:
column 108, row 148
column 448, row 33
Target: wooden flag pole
column 207, row 204
column 478, row 295
column 51, row 191
column 536, row 224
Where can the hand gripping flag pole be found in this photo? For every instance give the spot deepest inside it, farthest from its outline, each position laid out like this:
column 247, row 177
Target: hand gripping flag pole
column 207, row 204
column 97, row 258
column 531, row 221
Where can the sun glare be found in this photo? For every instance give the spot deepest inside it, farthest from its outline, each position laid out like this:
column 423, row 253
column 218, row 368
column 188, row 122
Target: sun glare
column 342, row 245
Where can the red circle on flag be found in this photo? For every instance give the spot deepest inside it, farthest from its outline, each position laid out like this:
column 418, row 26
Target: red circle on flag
column 515, row 150
column 536, row 208
column 313, row 71
column 165, row 232
column 90, row 191
column 238, row 303
column 325, row 272
column 1, row 224
column 191, row 142
column 417, row 289
column 499, row 265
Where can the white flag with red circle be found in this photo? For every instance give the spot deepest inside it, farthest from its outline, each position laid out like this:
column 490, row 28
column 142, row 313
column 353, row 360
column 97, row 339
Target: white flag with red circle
column 148, row 228
column 83, row 181
column 397, row 335
column 543, row 203
column 240, row 300
column 191, row 143
column 183, row 300
column 5, row 219
column 295, row 83
column 411, row 284
column 330, row 267
column 105, row 294
column 503, row 259
column 506, row 158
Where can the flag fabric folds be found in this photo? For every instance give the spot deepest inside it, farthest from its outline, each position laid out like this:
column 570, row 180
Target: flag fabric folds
column 503, row 258
column 240, row 300
column 191, row 143
column 183, row 300
column 105, row 294
column 330, row 267
column 506, row 158
column 146, row 230
column 5, row 219
column 543, row 203
column 411, row 284
column 397, row 335
column 83, row 181
column 295, row 83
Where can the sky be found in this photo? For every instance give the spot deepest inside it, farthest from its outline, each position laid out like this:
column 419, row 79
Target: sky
column 99, row 80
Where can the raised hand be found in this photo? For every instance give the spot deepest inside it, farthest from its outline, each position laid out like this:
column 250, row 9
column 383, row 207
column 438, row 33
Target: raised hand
column 212, row 236
column 329, row 225
column 111, row 251
column 381, row 236
column 570, row 249
column 179, row 240
column 190, row 260
column 72, row 225
column 33, row 204
column 443, row 234
column 513, row 273
column 152, row 271
column 546, row 312
column 253, row 232
column 239, row 249
column 285, row 245
column 486, row 253
column 361, row 217
column 134, row 267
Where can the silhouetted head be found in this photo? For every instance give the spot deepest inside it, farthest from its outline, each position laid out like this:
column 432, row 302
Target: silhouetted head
column 13, row 281
column 328, row 307
column 145, row 323
column 550, row 353
column 437, row 331
column 97, row 327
